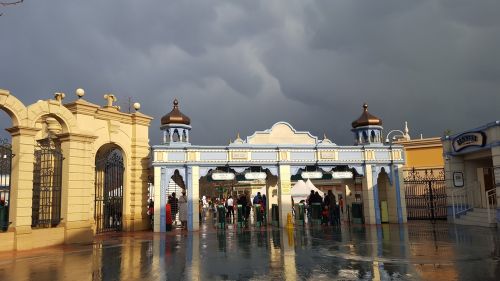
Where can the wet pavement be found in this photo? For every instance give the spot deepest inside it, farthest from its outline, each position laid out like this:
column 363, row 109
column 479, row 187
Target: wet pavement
column 416, row 251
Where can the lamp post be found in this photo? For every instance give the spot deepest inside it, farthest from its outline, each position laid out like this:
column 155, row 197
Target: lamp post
column 401, row 133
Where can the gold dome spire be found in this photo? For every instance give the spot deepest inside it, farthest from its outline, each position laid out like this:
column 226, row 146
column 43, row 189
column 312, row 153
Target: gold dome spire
column 366, row 119
column 175, row 116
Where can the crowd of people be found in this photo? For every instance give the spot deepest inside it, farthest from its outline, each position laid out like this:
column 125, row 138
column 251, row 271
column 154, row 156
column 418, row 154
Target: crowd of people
column 330, row 210
column 231, row 206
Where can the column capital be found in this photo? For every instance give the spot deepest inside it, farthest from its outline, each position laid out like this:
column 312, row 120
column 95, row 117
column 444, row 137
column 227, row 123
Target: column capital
column 23, row 130
column 76, row 137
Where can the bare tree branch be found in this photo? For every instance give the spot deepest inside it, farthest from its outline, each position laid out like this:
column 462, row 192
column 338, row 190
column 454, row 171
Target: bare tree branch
column 9, row 3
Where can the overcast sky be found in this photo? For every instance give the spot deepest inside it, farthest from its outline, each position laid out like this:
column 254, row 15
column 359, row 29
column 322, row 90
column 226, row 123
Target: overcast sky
column 241, row 66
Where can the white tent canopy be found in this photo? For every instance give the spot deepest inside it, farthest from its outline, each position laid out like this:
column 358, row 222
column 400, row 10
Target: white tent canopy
column 310, row 186
column 300, row 189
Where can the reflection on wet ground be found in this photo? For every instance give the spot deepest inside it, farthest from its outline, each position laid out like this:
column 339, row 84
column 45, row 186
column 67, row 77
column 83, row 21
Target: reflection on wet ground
column 416, row 251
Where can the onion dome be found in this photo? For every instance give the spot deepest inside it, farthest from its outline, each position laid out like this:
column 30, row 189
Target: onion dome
column 175, row 116
column 366, row 119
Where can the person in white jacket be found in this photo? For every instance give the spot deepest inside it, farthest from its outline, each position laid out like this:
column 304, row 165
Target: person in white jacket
column 183, row 209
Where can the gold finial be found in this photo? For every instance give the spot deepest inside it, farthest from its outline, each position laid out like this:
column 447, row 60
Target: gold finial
column 176, row 103
column 238, row 135
column 230, row 141
column 365, row 106
column 324, row 136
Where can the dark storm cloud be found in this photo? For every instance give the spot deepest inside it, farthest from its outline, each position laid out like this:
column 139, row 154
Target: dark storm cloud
column 240, row 66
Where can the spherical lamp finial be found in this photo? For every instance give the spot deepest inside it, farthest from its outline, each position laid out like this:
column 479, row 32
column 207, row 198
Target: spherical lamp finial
column 365, row 106
column 176, row 102
column 137, row 106
column 80, row 92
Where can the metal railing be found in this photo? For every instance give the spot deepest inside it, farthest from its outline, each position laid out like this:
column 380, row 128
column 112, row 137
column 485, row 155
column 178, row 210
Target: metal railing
column 462, row 201
column 491, row 204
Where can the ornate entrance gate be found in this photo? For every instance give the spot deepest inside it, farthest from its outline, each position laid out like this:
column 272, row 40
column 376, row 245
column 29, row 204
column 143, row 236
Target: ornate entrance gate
column 425, row 191
column 5, row 171
column 47, row 181
column 109, row 191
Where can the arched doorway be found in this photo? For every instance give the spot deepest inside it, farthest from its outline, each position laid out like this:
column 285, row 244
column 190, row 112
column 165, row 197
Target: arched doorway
column 47, row 184
column 109, row 170
column 5, row 182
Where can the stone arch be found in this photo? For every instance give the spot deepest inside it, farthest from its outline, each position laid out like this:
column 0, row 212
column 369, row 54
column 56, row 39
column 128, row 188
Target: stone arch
column 53, row 109
column 386, row 194
column 176, row 137
column 99, row 144
column 184, row 136
column 110, row 188
column 14, row 108
column 171, row 175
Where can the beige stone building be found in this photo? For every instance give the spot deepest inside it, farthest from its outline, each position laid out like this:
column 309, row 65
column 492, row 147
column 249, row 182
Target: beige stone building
column 76, row 169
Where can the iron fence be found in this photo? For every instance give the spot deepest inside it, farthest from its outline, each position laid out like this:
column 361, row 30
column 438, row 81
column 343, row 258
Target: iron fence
column 425, row 192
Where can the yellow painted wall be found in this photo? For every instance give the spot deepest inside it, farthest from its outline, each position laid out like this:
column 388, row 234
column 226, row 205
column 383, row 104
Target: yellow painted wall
column 423, row 153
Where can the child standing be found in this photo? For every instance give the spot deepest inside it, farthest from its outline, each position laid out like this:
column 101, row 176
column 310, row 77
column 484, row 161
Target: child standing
column 324, row 216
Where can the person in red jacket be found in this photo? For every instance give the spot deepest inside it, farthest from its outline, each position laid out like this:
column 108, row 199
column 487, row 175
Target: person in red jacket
column 168, row 216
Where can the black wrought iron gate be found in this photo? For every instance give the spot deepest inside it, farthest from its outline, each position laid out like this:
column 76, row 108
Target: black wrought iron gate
column 425, row 192
column 5, row 172
column 109, row 191
column 47, row 181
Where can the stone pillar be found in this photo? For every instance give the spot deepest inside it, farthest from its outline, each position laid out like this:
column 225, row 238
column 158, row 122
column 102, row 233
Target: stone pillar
column 399, row 190
column 271, row 184
column 137, row 179
column 193, row 193
column 21, row 194
column 370, row 196
column 157, row 200
column 376, row 200
column 452, row 164
column 78, row 187
column 495, row 157
column 284, row 194
column 138, row 185
column 268, row 204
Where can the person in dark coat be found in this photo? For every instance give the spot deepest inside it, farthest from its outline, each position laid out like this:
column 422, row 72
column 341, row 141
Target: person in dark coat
column 331, row 206
column 174, row 202
column 244, row 203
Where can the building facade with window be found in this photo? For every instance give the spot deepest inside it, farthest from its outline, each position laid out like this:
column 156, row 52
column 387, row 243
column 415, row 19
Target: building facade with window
column 472, row 166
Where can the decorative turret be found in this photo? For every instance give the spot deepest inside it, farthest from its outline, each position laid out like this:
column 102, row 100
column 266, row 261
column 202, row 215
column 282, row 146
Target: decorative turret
column 175, row 116
column 175, row 126
column 367, row 128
